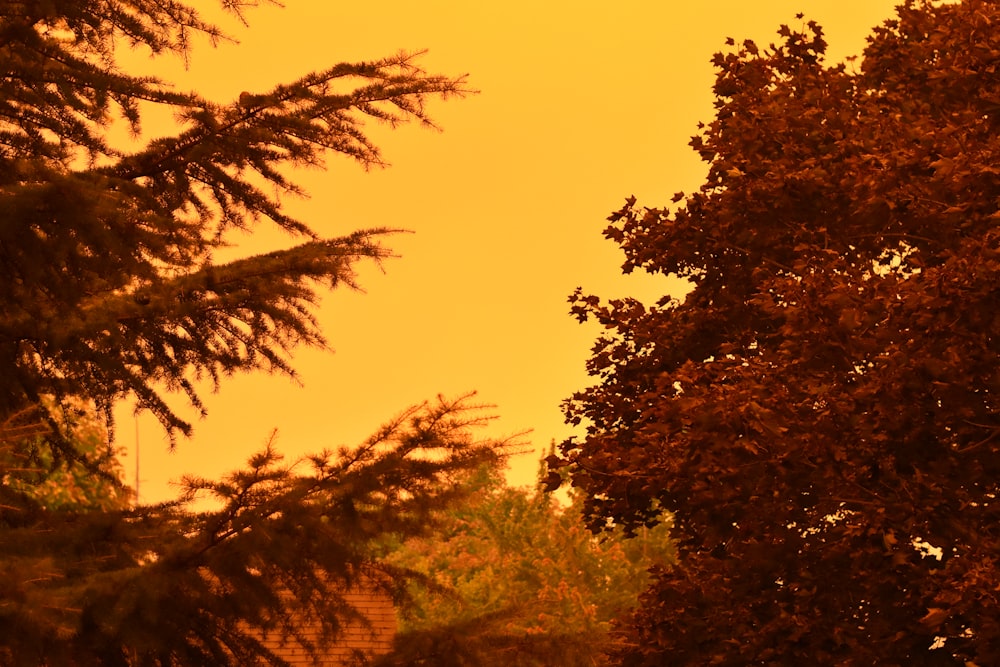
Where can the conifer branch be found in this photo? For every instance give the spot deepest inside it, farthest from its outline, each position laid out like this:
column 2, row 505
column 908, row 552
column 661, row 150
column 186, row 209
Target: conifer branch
column 110, row 289
column 215, row 320
column 293, row 124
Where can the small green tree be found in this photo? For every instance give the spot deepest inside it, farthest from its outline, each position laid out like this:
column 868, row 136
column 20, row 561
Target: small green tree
column 93, row 480
column 515, row 578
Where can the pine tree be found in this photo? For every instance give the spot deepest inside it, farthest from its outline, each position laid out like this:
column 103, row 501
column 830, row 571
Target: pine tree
column 172, row 585
column 106, row 258
column 110, row 290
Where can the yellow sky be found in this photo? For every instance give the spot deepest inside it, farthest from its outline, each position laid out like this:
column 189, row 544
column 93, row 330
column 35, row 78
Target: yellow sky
column 581, row 105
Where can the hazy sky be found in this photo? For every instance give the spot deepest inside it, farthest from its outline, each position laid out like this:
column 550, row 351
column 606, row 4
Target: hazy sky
column 580, row 106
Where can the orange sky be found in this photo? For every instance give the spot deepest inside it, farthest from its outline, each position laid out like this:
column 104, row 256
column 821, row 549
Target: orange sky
column 581, row 105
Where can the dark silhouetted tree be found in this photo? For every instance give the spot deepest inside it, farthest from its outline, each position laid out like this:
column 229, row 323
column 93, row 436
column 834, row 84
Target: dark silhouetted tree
column 280, row 543
column 109, row 290
column 107, row 258
column 821, row 410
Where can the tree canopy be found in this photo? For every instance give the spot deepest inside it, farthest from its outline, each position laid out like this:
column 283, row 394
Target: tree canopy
column 513, row 577
column 110, row 290
column 820, row 410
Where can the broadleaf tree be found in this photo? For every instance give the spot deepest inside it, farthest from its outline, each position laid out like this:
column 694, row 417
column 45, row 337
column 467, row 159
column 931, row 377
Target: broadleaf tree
column 513, row 577
column 820, row 412
column 110, row 291
column 93, row 479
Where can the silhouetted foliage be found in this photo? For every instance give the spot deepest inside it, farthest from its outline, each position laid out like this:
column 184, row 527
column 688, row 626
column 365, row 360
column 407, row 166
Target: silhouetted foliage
column 109, row 290
column 177, row 584
column 820, row 411
column 107, row 258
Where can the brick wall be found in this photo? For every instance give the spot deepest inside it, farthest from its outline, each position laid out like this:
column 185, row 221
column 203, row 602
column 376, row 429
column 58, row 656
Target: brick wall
column 373, row 638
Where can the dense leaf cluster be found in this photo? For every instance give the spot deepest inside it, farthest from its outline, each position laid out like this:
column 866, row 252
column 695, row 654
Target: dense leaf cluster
column 514, row 578
column 29, row 463
column 822, row 410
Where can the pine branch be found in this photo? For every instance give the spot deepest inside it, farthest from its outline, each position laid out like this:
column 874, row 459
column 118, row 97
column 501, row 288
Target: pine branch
column 60, row 77
column 287, row 543
column 211, row 165
column 219, row 319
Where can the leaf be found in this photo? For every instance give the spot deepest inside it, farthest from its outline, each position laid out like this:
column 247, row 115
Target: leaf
column 934, row 617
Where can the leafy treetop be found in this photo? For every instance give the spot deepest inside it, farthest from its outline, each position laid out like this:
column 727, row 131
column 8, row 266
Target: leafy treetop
column 820, row 411
column 513, row 577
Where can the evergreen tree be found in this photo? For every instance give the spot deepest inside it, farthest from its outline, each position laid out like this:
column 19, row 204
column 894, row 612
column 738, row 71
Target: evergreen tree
column 107, row 258
column 172, row 585
column 110, row 290
column 820, row 411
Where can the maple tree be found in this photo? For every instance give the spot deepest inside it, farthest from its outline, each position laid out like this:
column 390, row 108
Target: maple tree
column 821, row 410
column 110, row 290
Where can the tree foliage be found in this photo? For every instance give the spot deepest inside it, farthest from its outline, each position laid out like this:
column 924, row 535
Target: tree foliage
column 820, row 411
column 515, row 578
column 110, row 290
column 95, row 479
column 107, row 257
column 177, row 585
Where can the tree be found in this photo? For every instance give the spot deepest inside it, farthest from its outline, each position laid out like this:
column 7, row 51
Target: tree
column 94, row 480
column 515, row 578
column 172, row 585
column 107, row 257
column 820, row 411
column 110, row 290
